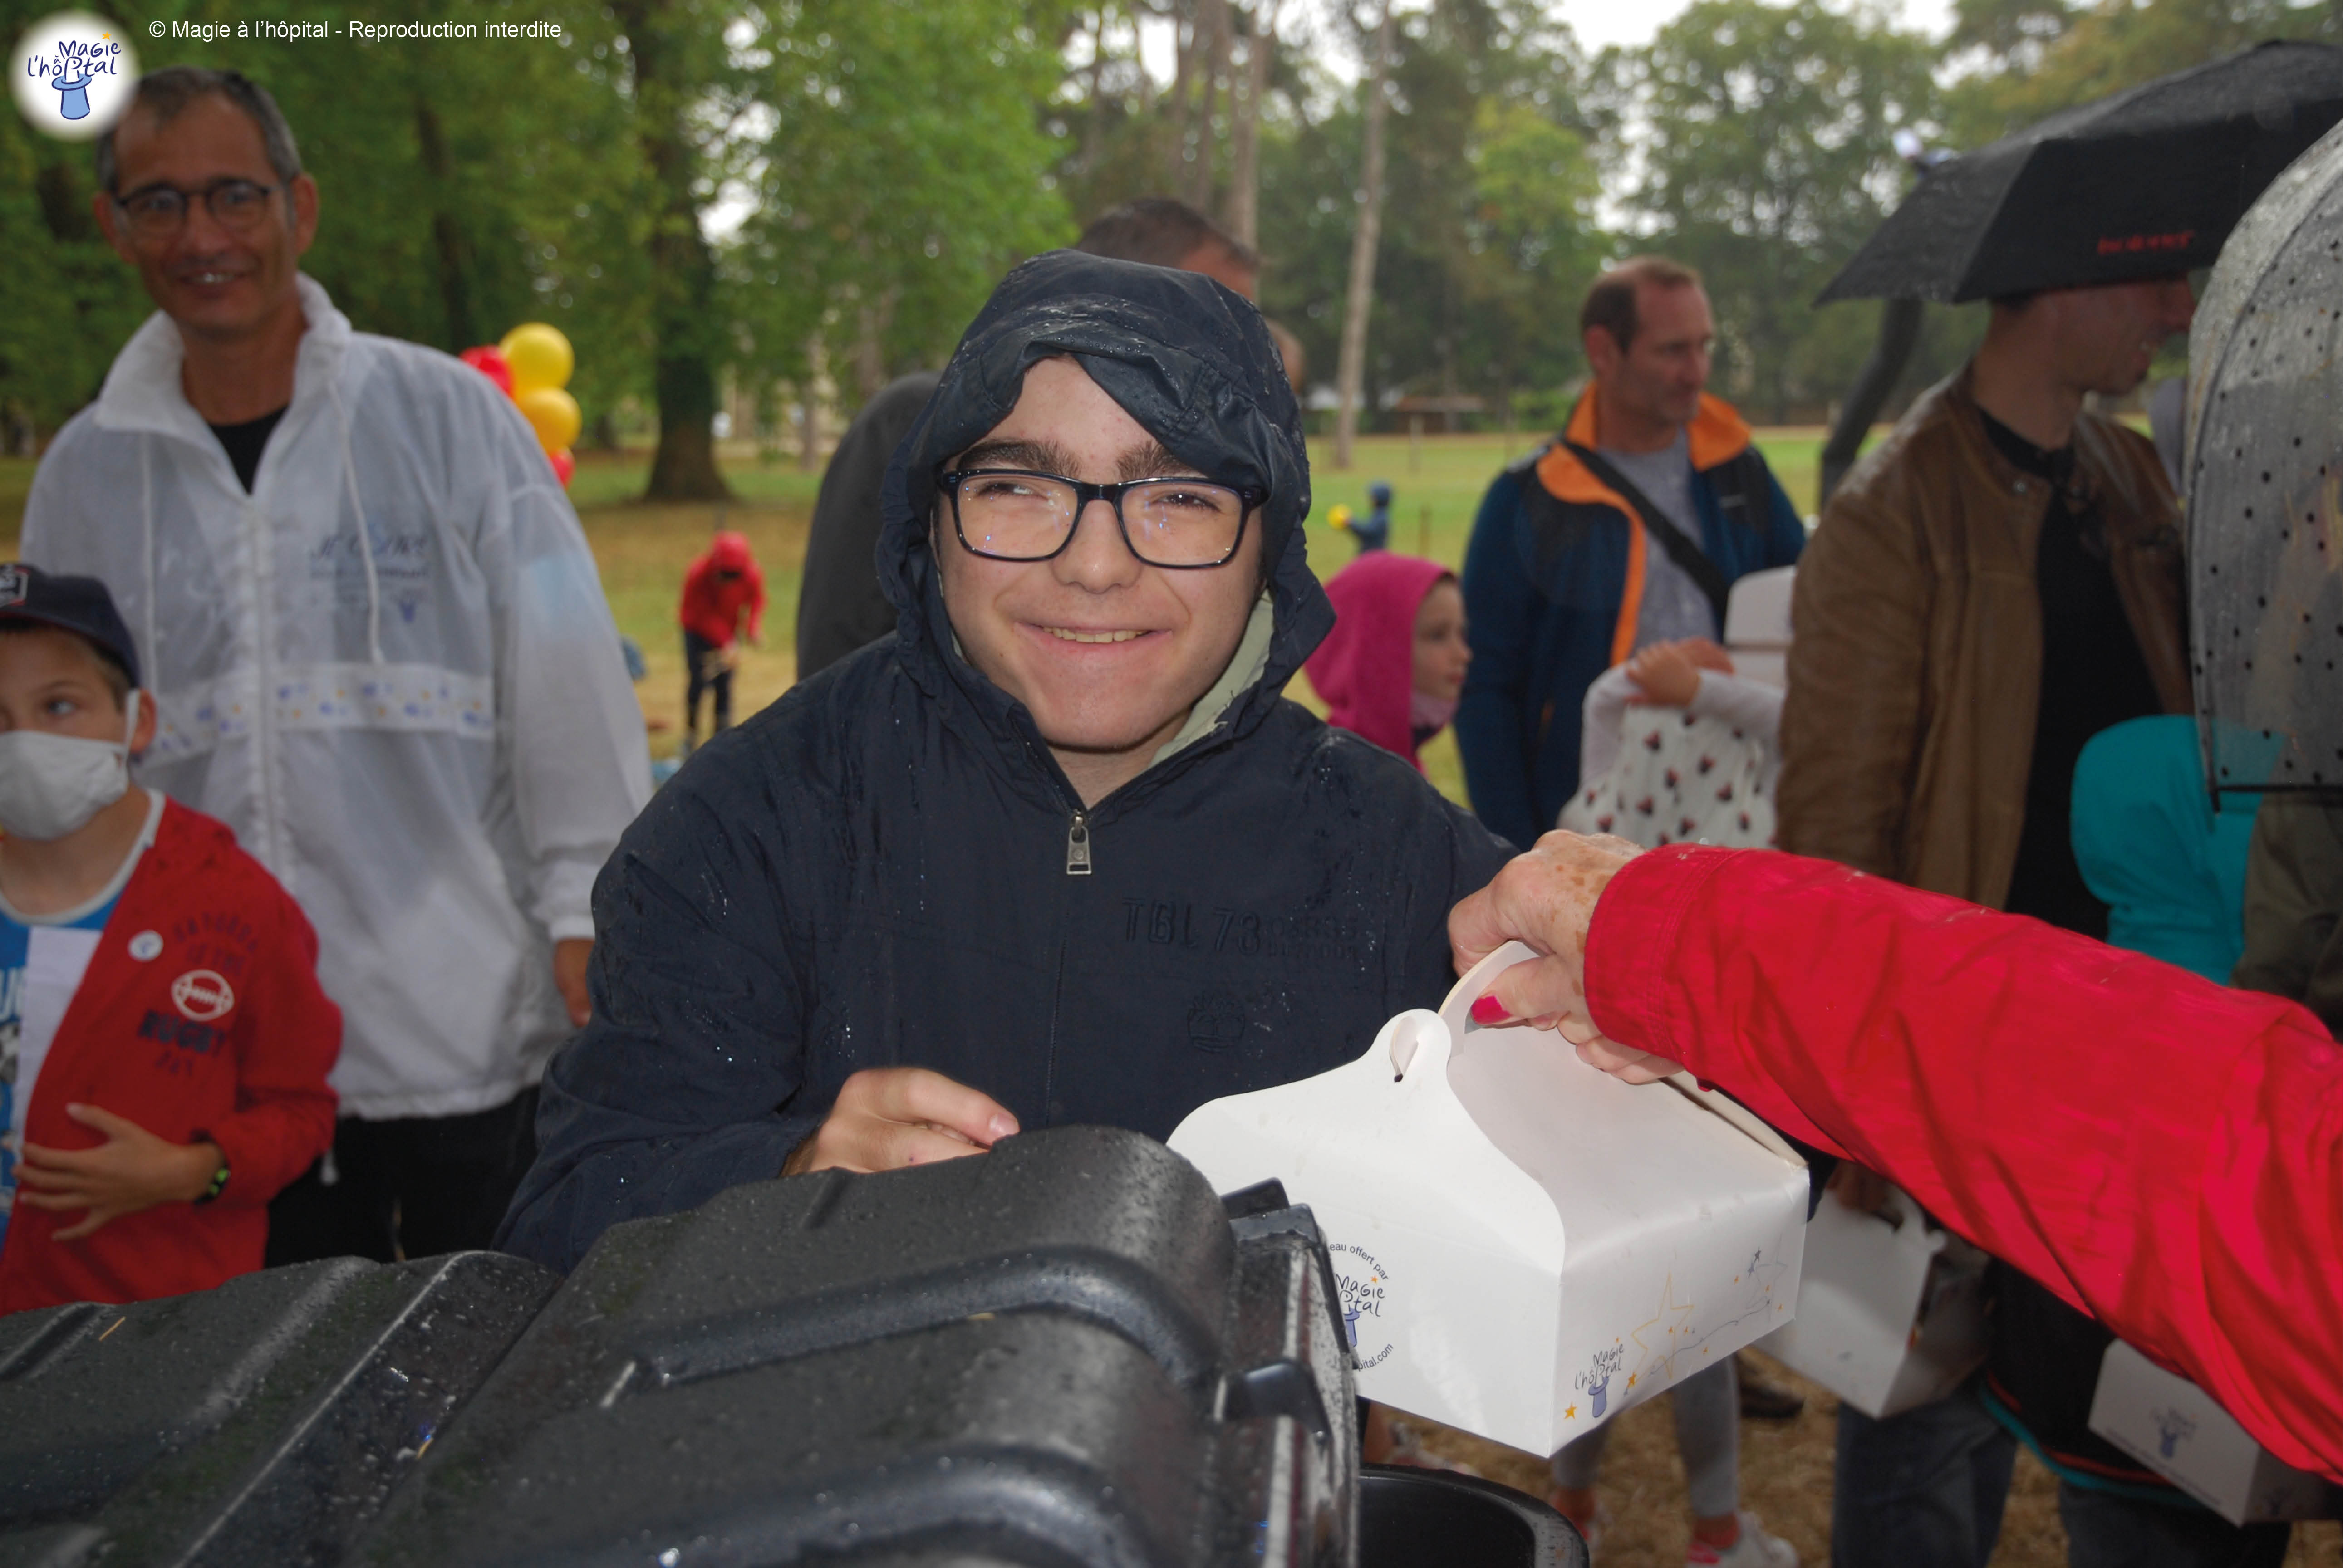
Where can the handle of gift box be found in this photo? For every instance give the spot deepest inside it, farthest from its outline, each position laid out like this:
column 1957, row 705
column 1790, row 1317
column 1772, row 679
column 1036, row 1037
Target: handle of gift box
column 1418, row 1045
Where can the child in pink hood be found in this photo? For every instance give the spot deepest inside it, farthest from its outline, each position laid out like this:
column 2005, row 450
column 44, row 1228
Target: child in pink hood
column 1394, row 665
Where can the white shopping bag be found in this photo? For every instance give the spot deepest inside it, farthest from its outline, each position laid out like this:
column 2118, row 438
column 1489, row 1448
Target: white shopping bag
column 1525, row 1245
column 1891, row 1312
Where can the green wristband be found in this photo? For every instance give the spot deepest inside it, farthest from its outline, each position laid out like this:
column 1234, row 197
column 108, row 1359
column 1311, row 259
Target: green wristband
column 219, row 1177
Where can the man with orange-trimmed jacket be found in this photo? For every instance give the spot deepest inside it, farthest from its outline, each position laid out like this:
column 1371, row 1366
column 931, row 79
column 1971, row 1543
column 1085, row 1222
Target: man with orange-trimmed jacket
column 1628, row 529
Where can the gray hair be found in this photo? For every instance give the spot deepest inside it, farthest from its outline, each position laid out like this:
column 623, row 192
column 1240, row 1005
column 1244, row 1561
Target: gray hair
column 168, row 92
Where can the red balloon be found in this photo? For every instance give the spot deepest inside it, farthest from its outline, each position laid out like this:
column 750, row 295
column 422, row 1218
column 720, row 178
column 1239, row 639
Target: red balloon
column 490, row 361
column 564, row 465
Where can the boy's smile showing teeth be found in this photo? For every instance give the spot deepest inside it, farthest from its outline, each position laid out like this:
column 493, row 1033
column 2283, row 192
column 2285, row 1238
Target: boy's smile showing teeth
column 1073, row 634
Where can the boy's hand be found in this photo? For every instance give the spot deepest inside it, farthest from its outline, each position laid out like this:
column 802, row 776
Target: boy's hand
column 132, row 1170
column 889, row 1117
column 569, row 958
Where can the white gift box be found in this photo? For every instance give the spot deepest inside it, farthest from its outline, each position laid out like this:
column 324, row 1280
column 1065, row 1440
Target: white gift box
column 1757, row 624
column 2181, row 1432
column 1891, row 1313
column 1525, row 1245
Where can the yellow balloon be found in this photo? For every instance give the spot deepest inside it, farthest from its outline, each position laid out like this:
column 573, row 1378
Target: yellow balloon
column 539, row 356
column 553, row 414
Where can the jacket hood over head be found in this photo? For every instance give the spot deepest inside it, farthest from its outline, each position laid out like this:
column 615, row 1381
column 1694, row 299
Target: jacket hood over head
column 731, row 552
column 1366, row 670
column 1192, row 362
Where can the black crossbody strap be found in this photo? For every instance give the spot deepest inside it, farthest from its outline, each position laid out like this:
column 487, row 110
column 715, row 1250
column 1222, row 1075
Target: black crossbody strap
column 1687, row 554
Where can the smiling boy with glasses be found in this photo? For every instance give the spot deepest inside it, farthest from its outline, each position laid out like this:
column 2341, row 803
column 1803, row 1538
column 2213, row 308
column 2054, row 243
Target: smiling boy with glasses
column 1060, row 850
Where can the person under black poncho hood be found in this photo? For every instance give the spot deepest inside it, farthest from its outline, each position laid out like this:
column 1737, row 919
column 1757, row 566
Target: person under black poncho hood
column 884, row 869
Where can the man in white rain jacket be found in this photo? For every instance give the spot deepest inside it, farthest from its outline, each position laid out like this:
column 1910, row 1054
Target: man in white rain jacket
column 381, row 655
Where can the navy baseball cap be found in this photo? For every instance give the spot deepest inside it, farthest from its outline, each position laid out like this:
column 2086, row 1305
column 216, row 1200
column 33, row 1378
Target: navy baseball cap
column 78, row 605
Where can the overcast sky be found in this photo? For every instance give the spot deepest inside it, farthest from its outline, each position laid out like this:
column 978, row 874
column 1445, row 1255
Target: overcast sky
column 1601, row 22
column 1597, row 23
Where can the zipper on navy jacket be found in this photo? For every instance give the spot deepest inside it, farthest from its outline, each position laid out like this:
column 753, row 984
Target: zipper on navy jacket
column 1050, row 1059
column 1077, row 845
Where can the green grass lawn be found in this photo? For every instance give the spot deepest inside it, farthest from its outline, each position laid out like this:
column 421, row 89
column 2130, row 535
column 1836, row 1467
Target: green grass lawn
column 643, row 549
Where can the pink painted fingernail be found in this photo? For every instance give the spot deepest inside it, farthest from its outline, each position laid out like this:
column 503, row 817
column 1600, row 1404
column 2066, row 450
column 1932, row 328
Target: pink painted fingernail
column 1489, row 1010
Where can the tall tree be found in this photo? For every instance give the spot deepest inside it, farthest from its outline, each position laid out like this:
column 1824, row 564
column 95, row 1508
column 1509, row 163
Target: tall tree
column 898, row 181
column 677, row 49
column 1768, row 159
column 1350, row 368
column 2052, row 56
column 1530, row 241
column 1245, row 124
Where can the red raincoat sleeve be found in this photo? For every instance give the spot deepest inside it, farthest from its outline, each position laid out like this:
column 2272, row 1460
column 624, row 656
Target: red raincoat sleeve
column 2160, row 1152
column 697, row 611
column 289, row 1036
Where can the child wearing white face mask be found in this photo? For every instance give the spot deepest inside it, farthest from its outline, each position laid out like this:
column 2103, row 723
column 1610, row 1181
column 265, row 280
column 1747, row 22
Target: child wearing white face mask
column 163, row 1043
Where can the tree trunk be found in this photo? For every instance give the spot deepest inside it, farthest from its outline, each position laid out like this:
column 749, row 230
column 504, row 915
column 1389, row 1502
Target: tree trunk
column 448, row 244
column 1350, row 368
column 871, row 317
column 1244, row 127
column 684, row 328
column 1214, row 41
column 1184, row 40
column 1095, row 128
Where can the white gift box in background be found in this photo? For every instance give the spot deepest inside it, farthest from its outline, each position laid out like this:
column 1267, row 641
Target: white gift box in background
column 1891, row 1312
column 1525, row 1245
column 2181, row 1432
column 1757, row 624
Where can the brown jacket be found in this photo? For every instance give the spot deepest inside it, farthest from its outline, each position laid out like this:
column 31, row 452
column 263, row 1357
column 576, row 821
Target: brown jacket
column 1915, row 660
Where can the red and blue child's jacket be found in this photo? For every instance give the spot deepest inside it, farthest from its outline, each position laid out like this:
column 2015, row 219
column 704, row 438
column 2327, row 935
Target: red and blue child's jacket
column 200, row 1016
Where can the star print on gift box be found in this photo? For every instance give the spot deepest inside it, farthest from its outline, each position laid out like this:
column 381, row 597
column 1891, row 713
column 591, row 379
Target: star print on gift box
column 1666, row 1333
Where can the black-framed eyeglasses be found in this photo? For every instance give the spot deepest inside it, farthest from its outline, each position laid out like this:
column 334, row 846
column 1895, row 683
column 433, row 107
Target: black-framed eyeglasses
column 1021, row 514
column 160, row 211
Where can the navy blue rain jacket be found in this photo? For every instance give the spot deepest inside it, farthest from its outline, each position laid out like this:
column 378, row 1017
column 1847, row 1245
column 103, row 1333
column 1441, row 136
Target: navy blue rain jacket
column 873, row 871
column 1552, row 602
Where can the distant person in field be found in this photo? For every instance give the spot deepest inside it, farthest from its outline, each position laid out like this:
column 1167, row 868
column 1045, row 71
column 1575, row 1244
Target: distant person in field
column 1628, row 529
column 379, row 652
column 841, row 605
column 163, row 1043
column 723, row 603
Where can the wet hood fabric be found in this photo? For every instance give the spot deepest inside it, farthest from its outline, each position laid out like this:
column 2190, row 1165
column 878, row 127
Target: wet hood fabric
column 1190, row 361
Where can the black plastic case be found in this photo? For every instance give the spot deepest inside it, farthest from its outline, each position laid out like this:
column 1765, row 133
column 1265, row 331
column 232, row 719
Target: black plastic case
column 263, row 1421
column 1065, row 1352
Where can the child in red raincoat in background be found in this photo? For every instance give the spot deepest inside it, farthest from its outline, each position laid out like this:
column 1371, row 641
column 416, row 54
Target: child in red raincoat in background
column 719, row 587
column 1393, row 667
